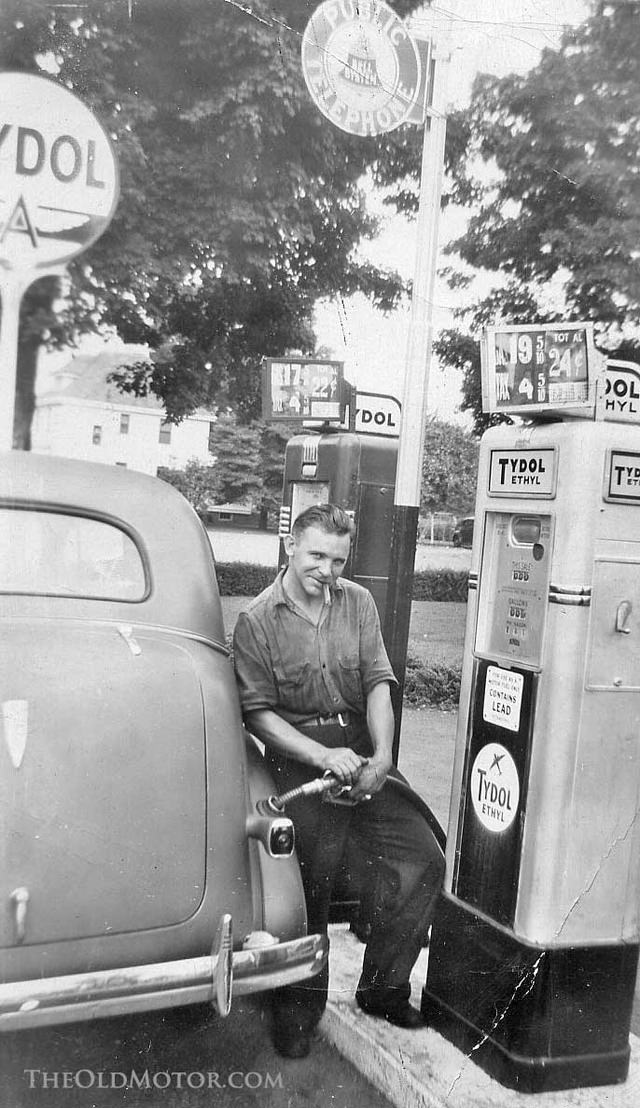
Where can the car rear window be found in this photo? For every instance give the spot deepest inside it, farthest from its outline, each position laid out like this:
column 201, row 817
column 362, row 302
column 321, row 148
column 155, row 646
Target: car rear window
column 55, row 554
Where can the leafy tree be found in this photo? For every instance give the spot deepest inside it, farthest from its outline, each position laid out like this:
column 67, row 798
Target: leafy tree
column 273, row 442
column 248, row 467
column 240, row 204
column 197, row 482
column 236, row 449
column 449, row 469
column 556, row 209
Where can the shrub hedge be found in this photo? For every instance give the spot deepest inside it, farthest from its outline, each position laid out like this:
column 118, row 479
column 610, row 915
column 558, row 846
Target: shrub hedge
column 246, row 579
column 431, row 684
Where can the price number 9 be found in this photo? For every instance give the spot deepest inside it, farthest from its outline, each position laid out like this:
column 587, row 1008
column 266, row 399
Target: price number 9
column 525, row 349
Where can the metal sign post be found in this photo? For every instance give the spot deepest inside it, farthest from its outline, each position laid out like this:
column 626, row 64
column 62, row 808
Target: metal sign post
column 59, row 187
column 13, row 286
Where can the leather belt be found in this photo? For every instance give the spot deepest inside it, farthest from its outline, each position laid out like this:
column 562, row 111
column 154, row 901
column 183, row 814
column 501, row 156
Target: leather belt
column 342, row 719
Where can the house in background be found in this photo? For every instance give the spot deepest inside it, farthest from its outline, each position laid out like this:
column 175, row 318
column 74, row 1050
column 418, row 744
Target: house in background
column 84, row 416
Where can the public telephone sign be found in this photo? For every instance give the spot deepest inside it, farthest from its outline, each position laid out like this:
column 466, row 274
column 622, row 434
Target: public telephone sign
column 363, row 68
column 300, row 389
column 538, row 368
column 59, row 177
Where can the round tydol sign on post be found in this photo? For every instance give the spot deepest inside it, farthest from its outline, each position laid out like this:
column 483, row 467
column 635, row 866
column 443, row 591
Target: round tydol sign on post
column 58, row 173
column 59, row 185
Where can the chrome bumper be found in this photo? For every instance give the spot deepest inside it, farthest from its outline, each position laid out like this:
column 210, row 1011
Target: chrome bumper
column 88, row 996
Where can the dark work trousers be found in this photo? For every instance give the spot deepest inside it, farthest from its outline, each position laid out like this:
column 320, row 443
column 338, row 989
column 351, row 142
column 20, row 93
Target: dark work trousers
column 403, row 869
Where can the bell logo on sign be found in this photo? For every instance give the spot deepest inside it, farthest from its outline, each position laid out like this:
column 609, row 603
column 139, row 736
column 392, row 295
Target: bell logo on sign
column 58, row 173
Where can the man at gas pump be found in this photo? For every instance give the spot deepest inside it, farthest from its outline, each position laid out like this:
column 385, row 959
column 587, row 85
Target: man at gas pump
column 314, row 682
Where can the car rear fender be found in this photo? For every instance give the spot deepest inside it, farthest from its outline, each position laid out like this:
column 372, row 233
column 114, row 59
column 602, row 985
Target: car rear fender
column 276, row 880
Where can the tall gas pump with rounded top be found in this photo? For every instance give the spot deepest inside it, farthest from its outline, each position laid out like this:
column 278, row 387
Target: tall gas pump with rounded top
column 534, row 949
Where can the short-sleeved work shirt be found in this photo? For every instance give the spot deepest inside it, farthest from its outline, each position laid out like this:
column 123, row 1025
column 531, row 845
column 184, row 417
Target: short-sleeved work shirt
column 287, row 663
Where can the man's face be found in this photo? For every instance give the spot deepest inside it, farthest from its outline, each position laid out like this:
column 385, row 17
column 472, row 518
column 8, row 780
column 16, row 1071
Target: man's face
column 316, row 559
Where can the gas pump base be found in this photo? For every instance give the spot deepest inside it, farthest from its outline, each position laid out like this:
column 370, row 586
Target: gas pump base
column 535, row 1019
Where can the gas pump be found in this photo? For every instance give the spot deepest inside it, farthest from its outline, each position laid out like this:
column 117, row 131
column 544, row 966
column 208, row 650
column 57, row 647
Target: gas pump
column 357, row 473
column 534, row 949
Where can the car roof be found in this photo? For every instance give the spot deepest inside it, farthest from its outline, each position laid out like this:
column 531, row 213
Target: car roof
column 173, row 541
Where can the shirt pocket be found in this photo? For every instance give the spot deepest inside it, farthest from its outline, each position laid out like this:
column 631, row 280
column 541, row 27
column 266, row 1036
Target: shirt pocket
column 350, row 679
column 295, row 688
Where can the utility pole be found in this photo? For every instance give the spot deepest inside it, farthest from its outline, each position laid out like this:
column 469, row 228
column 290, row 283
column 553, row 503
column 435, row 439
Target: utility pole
column 416, row 383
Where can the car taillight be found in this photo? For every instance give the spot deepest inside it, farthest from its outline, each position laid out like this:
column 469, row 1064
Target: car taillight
column 282, row 838
column 274, row 832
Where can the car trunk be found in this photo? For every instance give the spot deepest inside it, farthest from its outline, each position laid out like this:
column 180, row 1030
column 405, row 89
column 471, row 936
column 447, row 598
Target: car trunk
column 104, row 824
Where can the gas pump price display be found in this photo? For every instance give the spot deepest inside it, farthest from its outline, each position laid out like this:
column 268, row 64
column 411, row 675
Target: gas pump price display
column 527, row 369
column 299, row 389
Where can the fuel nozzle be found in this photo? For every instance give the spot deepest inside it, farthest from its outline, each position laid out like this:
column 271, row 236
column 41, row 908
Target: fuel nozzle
column 270, row 806
column 275, row 805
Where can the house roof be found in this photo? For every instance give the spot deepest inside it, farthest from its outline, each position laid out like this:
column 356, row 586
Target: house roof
column 85, row 378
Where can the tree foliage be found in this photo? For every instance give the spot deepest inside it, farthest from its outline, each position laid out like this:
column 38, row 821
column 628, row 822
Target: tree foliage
column 549, row 163
column 240, row 204
column 197, row 482
column 449, row 469
column 247, row 467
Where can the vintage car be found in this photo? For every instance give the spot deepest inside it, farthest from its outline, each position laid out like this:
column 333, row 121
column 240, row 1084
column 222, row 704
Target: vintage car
column 138, row 870
column 463, row 533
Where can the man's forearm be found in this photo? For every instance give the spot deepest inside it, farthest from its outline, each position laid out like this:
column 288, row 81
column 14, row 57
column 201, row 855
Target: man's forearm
column 283, row 737
column 381, row 724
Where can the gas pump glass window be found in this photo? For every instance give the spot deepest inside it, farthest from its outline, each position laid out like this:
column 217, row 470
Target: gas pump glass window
column 526, row 530
column 514, row 587
column 306, row 494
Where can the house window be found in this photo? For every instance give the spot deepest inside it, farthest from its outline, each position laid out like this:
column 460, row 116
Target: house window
column 97, row 434
column 165, row 432
column 124, row 424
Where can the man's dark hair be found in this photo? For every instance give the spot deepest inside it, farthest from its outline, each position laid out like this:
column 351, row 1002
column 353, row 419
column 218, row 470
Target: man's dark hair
column 326, row 517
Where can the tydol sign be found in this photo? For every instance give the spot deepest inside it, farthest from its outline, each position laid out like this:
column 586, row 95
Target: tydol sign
column 58, row 173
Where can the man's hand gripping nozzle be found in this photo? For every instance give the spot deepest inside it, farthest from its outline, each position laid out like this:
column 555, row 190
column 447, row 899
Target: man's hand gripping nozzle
column 327, row 785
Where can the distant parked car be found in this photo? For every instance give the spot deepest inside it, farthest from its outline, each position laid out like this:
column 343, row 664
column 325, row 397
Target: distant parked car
column 136, row 868
column 463, row 532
